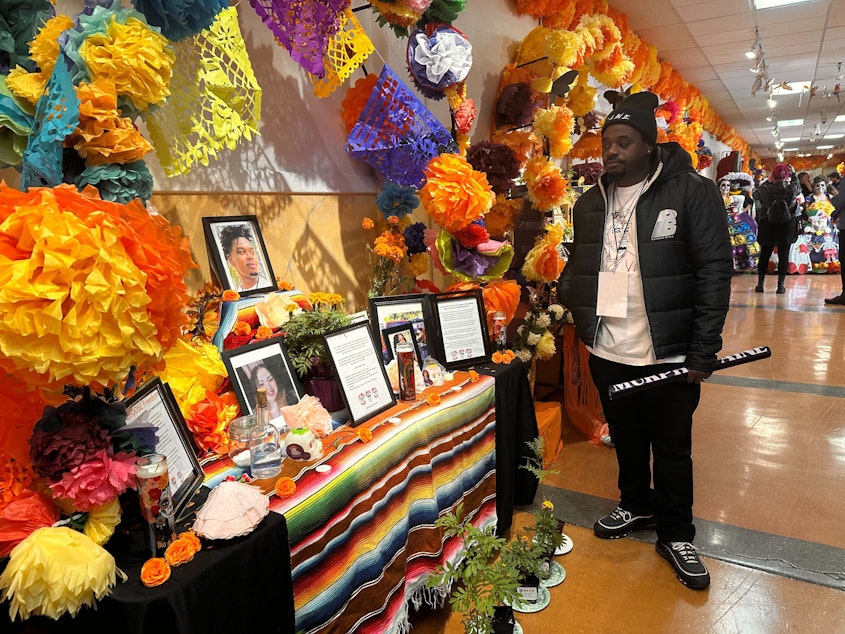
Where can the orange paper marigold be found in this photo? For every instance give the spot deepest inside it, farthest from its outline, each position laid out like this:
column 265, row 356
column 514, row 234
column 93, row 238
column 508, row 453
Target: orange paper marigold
column 365, row 434
column 455, row 194
column 230, row 296
column 192, row 539
column 547, row 188
column 433, row 399
column 155, row 572
column 285, row 487
column 179, row 552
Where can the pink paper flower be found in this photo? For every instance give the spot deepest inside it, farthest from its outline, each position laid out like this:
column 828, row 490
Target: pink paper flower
column 97, row 481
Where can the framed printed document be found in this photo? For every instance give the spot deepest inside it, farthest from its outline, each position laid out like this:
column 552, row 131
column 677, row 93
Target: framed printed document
column 360, row 371
column 462, row 325
column 153, row 406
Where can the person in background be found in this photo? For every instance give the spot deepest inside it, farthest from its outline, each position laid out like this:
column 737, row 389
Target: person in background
column 805, row 183
column 833, row 180
column 648, row 283
column 770, row 234
column 837, row 216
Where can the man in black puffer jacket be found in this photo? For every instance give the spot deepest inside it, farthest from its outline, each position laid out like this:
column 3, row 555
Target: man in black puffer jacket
column 648, row 285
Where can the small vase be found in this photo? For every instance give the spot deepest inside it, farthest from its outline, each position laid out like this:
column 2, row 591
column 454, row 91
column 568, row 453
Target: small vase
column 328, row 391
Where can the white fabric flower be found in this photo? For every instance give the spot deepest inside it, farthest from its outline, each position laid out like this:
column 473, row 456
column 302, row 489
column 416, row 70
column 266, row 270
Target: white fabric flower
column 543, row 321
column 556, row 310
column 449, row 52
column 533, row 339
column 523, row 355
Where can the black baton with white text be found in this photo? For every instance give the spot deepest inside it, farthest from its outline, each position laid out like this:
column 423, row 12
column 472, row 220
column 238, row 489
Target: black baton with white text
column 626, row 388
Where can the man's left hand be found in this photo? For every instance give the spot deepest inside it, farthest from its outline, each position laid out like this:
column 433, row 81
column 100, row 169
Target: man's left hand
column 697, row 376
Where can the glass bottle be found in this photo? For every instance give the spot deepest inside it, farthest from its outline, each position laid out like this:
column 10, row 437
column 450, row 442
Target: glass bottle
column 240, row 431
column 265, row 451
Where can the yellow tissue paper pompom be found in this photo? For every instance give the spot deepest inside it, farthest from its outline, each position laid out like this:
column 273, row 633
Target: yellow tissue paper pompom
column 102, row 521
column 54, row 571
column 546, row 346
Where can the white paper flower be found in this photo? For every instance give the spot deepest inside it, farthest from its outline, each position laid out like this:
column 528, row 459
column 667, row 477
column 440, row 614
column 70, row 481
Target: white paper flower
column 450, row 52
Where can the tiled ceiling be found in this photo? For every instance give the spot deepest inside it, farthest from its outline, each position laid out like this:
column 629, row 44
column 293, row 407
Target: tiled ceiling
column 802, row 44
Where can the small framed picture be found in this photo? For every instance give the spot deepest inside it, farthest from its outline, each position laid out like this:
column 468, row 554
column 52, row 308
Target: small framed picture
column 360, row 370
column 403, row 333
column 154, row 407
column 462, row 324
column 237, row 254
column 263, row 364
column 399, row 310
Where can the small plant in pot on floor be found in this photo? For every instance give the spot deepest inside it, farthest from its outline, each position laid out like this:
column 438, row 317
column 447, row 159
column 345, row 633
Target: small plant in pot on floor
column 548, row 530
column 530, row 563
column 482, row 585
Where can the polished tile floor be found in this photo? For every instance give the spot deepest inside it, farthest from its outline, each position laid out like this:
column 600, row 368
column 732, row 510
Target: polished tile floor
column 769, row 459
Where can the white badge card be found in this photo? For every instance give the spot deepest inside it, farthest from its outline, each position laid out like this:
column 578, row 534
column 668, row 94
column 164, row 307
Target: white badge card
column 613, row 294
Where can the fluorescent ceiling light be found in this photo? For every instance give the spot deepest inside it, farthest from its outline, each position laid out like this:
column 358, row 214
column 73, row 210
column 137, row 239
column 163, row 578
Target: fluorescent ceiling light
column 840, row 118
column 769, row 4
column 790, row 149
column 790, row 122
column 834, row 136
column 791, row 139
column 823, row 147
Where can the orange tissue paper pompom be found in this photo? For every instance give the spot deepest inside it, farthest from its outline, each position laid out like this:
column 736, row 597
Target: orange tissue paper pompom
column 454, row 193
column 285, row 487
column 355, row 100
column 155, row 572
column 179, row 552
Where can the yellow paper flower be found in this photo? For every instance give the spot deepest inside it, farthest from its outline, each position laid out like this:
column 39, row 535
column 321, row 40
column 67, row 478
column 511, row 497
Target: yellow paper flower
column 555, row 123
column 74, row 302
column 546, row 346
column 455, row 194
column 44, row 50
column 102, row 521
column 418, row 264
column 137, row 59
column 191, row 369
column 56, row 571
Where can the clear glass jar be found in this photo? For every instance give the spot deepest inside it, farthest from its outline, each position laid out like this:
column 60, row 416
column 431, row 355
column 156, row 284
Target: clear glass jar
column 240, row 430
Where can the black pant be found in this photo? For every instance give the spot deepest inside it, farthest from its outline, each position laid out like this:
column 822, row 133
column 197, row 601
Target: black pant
column 770, row 236
column 655, row 423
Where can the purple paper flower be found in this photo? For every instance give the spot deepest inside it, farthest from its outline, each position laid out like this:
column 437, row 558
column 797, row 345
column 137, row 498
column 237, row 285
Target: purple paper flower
column 415, row 238
column 497, row 160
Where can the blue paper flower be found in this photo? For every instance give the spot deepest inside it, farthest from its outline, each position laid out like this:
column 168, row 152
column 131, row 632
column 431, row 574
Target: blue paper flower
column 397, row 200
column 180, row 19
column 119, row 183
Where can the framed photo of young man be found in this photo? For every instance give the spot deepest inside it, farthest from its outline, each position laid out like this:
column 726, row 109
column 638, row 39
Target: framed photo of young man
column 462, row 325
column 398, row 310
column 237, row 254
column 263, row 364
column 154, row 407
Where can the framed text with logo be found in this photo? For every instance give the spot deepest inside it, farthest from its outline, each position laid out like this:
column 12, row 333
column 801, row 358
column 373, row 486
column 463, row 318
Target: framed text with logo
column 461, row 323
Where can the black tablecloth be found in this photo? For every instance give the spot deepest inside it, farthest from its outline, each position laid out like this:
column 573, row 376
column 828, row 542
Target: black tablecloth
column 238, row 585
column 516, row 425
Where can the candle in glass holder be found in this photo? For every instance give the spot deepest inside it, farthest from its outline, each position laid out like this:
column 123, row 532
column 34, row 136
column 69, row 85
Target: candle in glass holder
column 156, row 502
column 407, row 382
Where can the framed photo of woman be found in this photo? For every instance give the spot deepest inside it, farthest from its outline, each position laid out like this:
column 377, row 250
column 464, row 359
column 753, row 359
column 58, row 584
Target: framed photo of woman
column 403, row 333
column 237, row 253
column 263, row 364
column 398, row 310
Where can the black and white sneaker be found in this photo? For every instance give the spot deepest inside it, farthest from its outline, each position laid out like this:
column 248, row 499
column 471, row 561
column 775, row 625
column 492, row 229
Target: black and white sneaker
column 620, row 523
column 689, row 568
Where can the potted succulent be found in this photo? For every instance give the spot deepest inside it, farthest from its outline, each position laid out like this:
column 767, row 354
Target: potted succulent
column 482, row 585
column 308, row 354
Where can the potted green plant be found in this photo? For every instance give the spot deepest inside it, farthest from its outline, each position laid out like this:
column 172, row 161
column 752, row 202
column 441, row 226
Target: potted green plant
column 547, row 529
column 308, row 354
column 482, row 585
column 530, row 563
